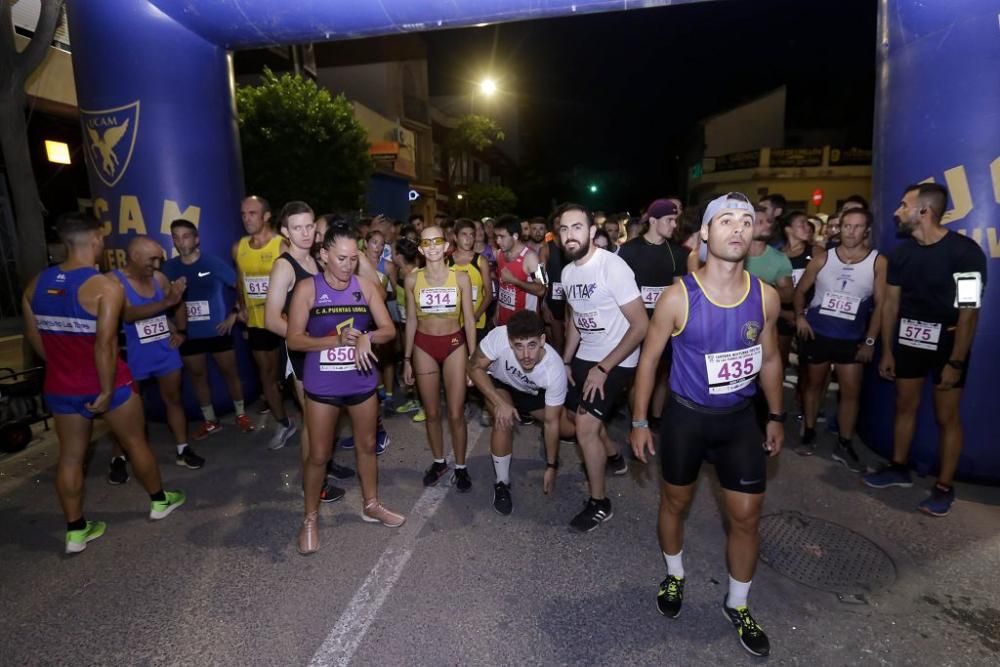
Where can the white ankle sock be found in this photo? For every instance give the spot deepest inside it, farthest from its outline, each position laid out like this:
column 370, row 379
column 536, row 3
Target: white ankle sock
column 208, row 412
column 675, row 564
column 239, row 407
column 180, row 448
column 501, row 466
column 739, row 591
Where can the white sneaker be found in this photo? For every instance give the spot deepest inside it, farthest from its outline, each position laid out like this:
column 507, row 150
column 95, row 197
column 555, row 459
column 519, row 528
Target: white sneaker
column 282, row 435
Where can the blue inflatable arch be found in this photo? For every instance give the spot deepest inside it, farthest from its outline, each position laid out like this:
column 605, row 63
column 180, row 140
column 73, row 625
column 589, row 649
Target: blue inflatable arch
column 159, row 73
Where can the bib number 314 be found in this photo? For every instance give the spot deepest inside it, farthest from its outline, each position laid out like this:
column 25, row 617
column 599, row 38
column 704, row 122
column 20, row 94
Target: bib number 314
column 734, row 370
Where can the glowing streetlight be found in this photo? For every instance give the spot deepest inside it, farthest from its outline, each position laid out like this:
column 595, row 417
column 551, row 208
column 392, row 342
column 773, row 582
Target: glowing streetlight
column 488, row 87
column 593, row 188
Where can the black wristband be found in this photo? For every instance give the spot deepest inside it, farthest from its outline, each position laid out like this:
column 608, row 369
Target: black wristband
column 554, row 466
column 601, row 368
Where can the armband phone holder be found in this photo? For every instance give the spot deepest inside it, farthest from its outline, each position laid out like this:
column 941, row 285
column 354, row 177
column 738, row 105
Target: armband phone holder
column 968, row 290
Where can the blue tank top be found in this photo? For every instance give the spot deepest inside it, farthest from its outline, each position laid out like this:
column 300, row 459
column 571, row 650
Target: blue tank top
column 147, row 341
column 717, row 352
column 332, row 372
column 844, row 298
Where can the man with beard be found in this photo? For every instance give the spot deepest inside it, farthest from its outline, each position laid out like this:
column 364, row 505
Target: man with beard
column 209, row 324
column 722, row 324
column 935, row 285
column 537, row 228
column 522, row 277
column 608, row 322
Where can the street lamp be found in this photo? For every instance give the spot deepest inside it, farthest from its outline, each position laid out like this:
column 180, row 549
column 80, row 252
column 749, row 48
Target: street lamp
column 488, row 87
column 593, row 188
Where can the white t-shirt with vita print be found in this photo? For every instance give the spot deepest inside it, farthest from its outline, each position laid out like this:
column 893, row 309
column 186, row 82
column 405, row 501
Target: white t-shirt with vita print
column 547, row 376
column 596, row 291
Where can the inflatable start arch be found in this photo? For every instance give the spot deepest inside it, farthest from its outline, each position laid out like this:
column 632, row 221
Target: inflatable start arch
column 155, row 89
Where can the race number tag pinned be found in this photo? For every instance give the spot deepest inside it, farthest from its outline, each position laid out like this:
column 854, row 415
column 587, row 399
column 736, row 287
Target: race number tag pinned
column 650, row 295
column 968, row 290
column 587, row 322
column 922, row 335
column 438, row 299
column 838, row 304
column 256, row 286
column 152, row 329
column 558, row 292
column 734, row 370
column 507, row 296
column 198, row 311
column 337, row 359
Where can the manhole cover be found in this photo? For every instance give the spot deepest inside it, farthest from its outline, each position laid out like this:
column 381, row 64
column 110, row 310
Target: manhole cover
column 823, row 555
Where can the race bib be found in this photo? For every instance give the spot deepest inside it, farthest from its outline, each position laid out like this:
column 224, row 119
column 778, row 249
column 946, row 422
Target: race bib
column 650, row 295
column 731, row 371
column 587, row 322
column 337, row 359
column 923, row 335
column 256, row 286
column 475, row 294
column 152, row 329
column 797, row 276
column 838, row 304
column 508, row 296
column 438, row 299
column 198, row 311
column 558, row 292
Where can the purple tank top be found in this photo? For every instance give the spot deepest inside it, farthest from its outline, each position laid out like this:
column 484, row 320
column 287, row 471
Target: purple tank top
column 717, row 355
column 333, row 372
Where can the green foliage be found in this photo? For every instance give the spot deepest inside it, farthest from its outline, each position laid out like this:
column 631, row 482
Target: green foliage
column 484, row 199
column 474, row 134
column 299, row 142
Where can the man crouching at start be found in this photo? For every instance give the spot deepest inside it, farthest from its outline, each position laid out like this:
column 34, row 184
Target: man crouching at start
column 516, row 371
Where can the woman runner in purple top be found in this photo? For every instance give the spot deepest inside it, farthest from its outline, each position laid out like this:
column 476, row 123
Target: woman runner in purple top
column 336, row 318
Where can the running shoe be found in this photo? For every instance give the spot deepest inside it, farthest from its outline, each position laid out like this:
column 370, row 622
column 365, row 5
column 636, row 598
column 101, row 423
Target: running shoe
column 206, row 429
column 244, row 423
column 330, row 493
column 843, row 452
column 888, row 475
column 338, row 471
column 807, row 445
column 347, row 442
column 409, row 406
column 752, row 637
column 161, row 509
column 434, row 474
column 382, row 441
column 375, row 512
column 420, row 417
column 670, row 596
column 939, row 502
column 484, row 418
column 263, row 408
column 380, row 391
column 524, row 419
column 616, row 465
column 282, row 435
column 188, row 459
column 594, row 513
column 461, row 480
column 76, row 540
column 502, row 502
column 118, row 471
column 309, row 534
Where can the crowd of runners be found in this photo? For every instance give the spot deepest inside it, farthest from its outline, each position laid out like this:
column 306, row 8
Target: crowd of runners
column 688, row 322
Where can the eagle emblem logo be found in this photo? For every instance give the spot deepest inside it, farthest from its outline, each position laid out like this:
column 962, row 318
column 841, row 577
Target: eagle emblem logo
column 110, row 136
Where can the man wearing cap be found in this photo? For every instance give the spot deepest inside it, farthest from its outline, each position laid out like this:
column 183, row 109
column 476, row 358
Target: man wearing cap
column 722, row 324
column 657, row 262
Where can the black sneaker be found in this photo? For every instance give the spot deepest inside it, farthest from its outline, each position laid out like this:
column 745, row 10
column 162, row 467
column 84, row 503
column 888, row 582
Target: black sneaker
column 807, row 446
column 263, row 408
column 670, row 596
column 524, row 419
column 331, row 493
column 461, row 480
column 843, row 452
column 188, row 459
column 751, row 636
column 616, row 465
column 502, row 502
column 434, row 474
column 339, row 471
column 593, row 515
column 118, row 471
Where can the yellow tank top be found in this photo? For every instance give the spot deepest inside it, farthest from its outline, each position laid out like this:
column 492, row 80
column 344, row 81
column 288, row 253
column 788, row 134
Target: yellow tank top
column 254, row 266
column 476, row 278
column 436, row 301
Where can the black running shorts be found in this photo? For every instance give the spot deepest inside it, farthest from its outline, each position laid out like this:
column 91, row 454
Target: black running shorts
column 913, row 363
column 213, row 345
column 523, row 402
column 823, row 350
column 616, row 385
column 729, row 438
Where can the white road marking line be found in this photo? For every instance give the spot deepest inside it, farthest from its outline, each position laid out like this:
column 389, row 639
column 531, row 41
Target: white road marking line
column 345, row 637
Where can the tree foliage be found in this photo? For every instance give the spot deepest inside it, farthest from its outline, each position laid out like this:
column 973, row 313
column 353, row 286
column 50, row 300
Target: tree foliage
column 299, row 142
column 474, row 134
column 485, row 199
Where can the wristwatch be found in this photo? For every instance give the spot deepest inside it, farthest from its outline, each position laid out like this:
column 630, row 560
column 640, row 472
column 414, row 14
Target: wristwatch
column 640, row 423
column 870, row 342
column 554, row 466
column 777, row 417
column 957, row 364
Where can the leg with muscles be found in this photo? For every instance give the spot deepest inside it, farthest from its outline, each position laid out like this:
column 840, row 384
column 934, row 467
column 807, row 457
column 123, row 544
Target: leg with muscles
column 849, row 377
column 501, row 451
column 304, row 436
column 427, row 374
column 949, row 422
column 170, row 392
column 226, row 361
column 322, row 418
column 616, row 463
column 128, row 424
column 267, row 367
column 454, row 393
column 598, row 508
column 674, row 504
column 74, row 437
column 907, row 401
column 815, row 375
column 364, row 417
column 742, row 544
column 196, row 367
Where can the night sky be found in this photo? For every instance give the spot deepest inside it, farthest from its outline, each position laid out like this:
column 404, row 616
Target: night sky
column 617, row 96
